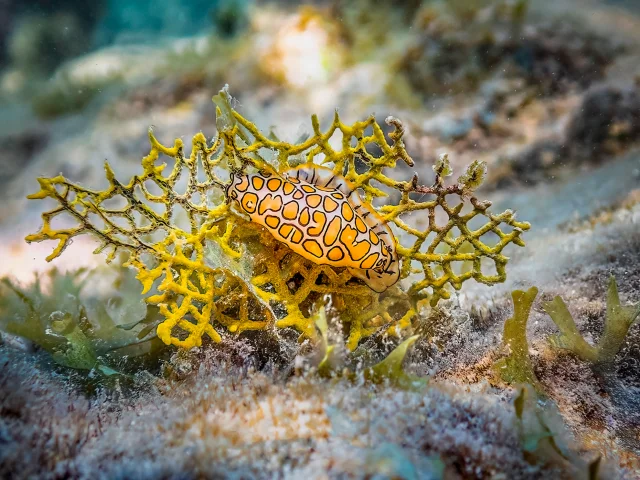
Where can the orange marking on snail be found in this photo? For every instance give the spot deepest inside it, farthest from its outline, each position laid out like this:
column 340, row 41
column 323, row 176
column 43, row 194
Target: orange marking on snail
column 304, row 218
column 314, row 200
column 359, row 250
column 270, row 202
column 242, row 185
column 257, row 182
column 329, row 204
column 335, row 254
column 274, row 184
column 347, row 212
column 288, row 188
column 272, row 221
column 320, row 219
column 360, row 225
column 290, row 210
column 285, row 230
column 249, row 201
column 333, row 231
column 370, row 261
column 313, row 248
column 297, row 235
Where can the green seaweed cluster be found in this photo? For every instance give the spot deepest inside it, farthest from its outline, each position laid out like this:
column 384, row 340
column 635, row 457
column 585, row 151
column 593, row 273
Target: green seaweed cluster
column 85, row 333
column 617, row 322
column 389, row 370
column 517, row 367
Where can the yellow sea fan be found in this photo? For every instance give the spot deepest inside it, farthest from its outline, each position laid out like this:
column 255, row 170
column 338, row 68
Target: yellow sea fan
column 221, row 270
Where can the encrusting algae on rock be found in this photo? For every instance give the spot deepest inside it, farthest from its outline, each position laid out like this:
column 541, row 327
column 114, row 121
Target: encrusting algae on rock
column 235, row 269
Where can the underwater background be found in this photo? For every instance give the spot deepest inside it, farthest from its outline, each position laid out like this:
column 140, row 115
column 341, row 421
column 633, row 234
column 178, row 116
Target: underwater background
column 204, row 348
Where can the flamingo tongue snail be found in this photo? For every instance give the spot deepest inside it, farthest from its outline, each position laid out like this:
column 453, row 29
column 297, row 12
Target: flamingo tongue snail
column 318, row 215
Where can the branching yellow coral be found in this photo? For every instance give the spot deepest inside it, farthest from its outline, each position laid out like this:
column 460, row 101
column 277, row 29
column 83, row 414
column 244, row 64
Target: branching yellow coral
column 222, row 270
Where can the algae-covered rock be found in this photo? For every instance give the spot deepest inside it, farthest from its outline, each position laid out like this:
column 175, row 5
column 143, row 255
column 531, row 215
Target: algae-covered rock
column 463, row 44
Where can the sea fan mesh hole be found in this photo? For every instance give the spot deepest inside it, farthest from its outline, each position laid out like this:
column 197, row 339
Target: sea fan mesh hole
column 94, row 219
column 269, row 155
column 336, row 140
column 196, row 198
column 319, row 158
column 71, row 196
column 373, row 149
column 121, row 222
column 416, row 266
column 180, row 218
column 201, row 175
column 153, row 188
column 459, row 266
column 488, row 267
column 158, row 207
column 157, row 235
column 506, row 228
column 117, row 202
column 477, row 222
column 179, row 332
column 428, row 246
column 441, row 216
column 490, row 239
column 453, row 200
column 454, row 233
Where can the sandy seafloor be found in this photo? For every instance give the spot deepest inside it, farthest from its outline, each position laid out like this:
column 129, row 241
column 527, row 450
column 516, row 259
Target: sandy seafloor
column 241, row 410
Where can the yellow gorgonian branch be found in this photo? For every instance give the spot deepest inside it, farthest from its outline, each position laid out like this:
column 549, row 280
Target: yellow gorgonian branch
column 213, row 268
